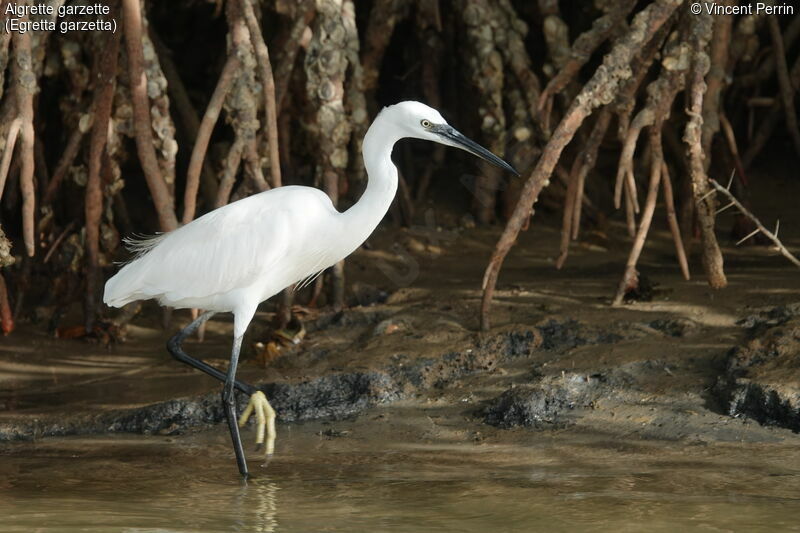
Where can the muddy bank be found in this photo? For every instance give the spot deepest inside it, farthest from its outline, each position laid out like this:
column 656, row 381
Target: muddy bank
column 334, row 396
column 762, row 375
column 548, row 403
column 556, row 374
column 690, row 364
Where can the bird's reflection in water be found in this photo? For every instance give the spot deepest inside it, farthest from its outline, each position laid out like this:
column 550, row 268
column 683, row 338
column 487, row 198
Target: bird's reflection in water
column 257, row 505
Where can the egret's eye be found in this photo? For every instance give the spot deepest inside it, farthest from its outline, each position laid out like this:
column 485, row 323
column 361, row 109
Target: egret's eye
column 426, row 124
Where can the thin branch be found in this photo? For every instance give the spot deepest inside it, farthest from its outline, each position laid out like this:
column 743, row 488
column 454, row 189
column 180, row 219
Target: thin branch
column 768, row 123
column 566, row 220
column 759, row 226
column 645, row 117
column 580, row 168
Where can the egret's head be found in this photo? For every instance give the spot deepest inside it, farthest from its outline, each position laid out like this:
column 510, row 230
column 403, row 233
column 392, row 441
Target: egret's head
column 419, row 121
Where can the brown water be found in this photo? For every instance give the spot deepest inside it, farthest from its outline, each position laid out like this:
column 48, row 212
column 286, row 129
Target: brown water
column 364, row 480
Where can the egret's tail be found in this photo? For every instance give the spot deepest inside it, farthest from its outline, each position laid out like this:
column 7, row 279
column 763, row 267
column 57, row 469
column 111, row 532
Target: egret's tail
column 125, row 287
column 116, row 293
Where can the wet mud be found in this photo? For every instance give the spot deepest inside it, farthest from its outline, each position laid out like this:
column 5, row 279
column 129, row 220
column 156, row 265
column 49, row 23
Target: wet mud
column 691, row 364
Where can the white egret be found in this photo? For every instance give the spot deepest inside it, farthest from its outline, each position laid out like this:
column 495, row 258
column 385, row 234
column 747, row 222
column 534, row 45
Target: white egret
column 237, row 256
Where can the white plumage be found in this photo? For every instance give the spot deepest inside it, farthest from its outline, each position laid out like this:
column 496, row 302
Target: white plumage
column 237, row 256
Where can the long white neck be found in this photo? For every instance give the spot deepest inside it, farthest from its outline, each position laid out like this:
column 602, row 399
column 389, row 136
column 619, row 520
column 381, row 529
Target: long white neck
column 363, row 217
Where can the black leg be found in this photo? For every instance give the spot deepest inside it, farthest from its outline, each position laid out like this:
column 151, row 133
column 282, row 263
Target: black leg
column 175, row 348
column 229, row 405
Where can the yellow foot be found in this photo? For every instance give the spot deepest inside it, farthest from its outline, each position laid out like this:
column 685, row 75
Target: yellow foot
column 265, row 418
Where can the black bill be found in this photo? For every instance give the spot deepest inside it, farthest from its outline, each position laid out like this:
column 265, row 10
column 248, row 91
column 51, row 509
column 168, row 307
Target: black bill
column 458, row 140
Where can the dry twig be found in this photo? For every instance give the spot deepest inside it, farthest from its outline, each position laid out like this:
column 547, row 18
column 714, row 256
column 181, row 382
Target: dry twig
column 759, row 226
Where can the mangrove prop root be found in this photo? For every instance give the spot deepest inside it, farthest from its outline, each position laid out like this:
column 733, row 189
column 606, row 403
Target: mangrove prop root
column 26, row 87
column 629, row 277
column 326, row 69
column 582, row 49
column 268, row 89
column 767, row 126
column 288, row 50
column 105, row 77
column 580, row 168
column 599, row 90
column 715, row 80
column 6, row 316
column 204, row 136
column 188, row 116
column 383, row 17
column 672, row 219
column 228, row 179
column 784, row 82
column 162, row 199
column 8, row 151
column 704, row 205
column 486, row 72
